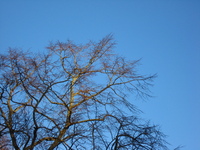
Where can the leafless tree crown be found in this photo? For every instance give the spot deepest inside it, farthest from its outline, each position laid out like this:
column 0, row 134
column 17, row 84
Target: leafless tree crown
column 73, row 97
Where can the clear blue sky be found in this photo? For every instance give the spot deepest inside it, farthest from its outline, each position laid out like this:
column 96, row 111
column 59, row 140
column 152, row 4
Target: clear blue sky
column 164, row 33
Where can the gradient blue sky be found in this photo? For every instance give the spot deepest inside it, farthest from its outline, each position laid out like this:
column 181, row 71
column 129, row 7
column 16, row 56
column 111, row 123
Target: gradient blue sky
column 164, row 33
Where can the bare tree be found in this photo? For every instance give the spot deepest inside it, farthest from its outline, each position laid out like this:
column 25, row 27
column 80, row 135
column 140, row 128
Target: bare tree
column 74, row 97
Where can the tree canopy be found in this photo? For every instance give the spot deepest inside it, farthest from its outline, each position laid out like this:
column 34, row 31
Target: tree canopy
column 74, row 96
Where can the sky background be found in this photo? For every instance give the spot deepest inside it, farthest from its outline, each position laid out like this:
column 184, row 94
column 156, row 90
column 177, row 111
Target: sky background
column 164, row 33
